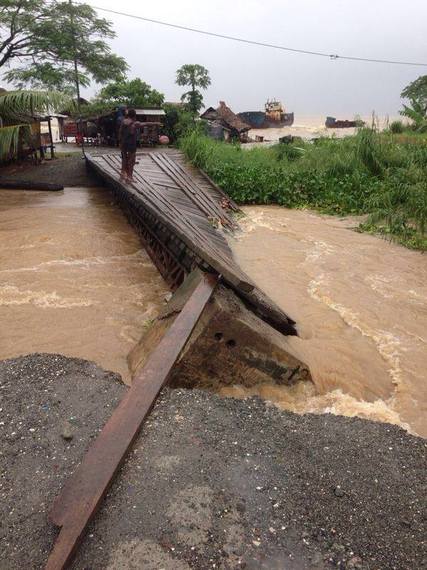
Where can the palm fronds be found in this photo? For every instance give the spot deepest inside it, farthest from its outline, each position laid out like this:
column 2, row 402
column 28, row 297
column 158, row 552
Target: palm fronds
column 9, row 140
column 416, row 113
column 19, row 105
column 18, row 109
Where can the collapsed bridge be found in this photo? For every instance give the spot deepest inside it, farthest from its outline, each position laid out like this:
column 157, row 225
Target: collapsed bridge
column 217, row 328
column 181, row 216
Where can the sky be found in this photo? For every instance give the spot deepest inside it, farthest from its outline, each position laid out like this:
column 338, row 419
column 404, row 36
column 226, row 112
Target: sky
column 245, row 76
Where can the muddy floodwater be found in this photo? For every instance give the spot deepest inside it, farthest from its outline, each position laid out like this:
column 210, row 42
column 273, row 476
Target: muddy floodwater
column 74, row 278
column 360, row 304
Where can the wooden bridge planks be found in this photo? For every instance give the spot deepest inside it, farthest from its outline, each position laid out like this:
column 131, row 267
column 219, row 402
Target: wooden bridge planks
column 174, row 202
column 164, row 188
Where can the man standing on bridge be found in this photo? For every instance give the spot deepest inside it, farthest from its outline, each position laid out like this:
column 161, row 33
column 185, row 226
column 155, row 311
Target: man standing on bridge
column 128, row 143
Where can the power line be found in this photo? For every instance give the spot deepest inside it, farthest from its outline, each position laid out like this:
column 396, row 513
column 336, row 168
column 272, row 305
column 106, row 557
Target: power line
column 262, row 44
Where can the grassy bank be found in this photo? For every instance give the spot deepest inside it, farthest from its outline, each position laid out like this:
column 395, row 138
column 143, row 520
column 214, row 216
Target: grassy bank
column 368, row 173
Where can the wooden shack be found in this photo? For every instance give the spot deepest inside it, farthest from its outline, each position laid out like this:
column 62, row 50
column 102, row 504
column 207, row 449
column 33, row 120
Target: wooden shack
column 232, row 126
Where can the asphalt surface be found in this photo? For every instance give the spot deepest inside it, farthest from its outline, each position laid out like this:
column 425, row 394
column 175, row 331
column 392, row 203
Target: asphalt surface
column 211, row 482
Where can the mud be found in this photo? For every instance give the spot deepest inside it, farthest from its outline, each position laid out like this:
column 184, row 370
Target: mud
column 66, row 170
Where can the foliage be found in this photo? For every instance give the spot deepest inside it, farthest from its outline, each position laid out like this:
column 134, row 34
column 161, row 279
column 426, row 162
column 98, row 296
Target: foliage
column 94, row 108
column 178, row 122
column 417, row 91
column 132, row 93
column 40, row 38
column 193, row 75
column 9, row 140
column 18, row 107
column 416, row 110
column 369, row 173
column 397, row 127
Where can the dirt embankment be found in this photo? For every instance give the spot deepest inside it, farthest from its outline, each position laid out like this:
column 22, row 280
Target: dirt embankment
column 211, row 483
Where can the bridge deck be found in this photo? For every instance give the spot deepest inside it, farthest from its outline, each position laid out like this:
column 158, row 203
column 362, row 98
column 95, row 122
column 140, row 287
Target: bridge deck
column 189, row 205
column 182, row 216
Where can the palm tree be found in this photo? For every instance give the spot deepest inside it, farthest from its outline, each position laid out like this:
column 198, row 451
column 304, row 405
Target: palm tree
column 193, row 75
column 17, row 109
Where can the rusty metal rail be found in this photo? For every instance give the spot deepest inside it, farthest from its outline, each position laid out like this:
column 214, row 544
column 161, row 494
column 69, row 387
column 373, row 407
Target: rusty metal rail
column 82, row 494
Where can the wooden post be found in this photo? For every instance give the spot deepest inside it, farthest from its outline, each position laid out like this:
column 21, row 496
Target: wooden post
column 49, row 124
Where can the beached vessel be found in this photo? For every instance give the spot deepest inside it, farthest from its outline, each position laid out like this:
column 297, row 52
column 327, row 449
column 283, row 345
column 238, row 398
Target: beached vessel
column 274, row 116
column 333, row 123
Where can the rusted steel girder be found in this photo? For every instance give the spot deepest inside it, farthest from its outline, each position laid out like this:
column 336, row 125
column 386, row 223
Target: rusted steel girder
column 171, row 259
column 82, row 494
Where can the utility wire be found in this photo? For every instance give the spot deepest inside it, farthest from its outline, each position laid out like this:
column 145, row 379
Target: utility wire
column 262, row 44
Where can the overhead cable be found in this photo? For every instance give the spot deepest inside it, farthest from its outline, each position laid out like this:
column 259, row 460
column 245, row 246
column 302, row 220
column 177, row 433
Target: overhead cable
column 332, row 56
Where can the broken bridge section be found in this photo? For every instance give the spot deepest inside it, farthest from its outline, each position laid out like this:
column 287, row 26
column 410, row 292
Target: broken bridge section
column 182, row 217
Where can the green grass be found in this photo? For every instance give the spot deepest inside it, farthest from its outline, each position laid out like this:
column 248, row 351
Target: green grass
column 369, row 173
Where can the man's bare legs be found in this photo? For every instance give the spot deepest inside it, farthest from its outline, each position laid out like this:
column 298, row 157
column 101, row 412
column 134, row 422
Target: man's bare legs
column 123, row 173
column 131, row 158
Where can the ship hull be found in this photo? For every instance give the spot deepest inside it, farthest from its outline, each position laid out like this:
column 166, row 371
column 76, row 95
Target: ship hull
column 333, row 123
column 259, row 120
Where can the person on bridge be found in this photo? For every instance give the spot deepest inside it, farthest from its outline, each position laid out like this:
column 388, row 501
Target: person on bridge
column 128, row 144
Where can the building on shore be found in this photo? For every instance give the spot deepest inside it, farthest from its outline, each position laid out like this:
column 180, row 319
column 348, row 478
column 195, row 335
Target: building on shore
column 104, row 128
column 223, row 124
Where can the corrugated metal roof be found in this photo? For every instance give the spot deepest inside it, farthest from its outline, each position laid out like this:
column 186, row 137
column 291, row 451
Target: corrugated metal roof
column 156, row 112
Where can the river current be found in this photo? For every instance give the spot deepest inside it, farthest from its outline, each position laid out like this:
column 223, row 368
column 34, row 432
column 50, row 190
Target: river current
column 74, row 278
column 360, row 304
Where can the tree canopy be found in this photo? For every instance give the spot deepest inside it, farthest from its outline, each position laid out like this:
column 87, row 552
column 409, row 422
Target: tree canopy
column 195, row 76
column 132, row 93
column 40, row 38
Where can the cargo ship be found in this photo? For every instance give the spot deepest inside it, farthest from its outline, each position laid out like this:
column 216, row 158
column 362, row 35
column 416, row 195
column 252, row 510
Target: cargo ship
column 274, row 116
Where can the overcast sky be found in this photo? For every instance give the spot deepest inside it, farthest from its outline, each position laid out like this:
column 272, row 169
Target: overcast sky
column 245, row 76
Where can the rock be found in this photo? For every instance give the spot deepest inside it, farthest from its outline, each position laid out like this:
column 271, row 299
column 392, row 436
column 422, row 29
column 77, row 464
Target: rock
column 67, row 431
column 338, row 547
column 338, row 491
column 316, row 558
column 354, row 563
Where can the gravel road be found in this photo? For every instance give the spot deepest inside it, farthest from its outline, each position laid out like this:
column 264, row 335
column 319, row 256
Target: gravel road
column 211, row 482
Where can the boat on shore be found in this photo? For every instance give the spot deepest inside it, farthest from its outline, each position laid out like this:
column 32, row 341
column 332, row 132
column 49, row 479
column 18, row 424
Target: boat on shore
column 274, row 116
column 333, row 123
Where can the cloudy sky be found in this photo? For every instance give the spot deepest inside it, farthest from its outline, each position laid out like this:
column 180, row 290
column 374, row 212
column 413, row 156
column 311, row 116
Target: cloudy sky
column 245, row 76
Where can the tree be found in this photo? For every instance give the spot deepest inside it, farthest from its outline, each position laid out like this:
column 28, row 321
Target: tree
column 132, row 93
column 195, row 76
column 41, row 38
column 416, row 92
column 178, row 121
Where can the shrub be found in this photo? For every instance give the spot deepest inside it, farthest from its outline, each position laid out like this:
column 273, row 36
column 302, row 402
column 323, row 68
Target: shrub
column 368, row 173
column 396, row 127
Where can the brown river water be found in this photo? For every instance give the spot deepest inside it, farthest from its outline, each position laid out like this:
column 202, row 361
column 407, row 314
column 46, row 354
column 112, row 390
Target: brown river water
column 73, row 277
column 75, row 280
column 360, row 304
